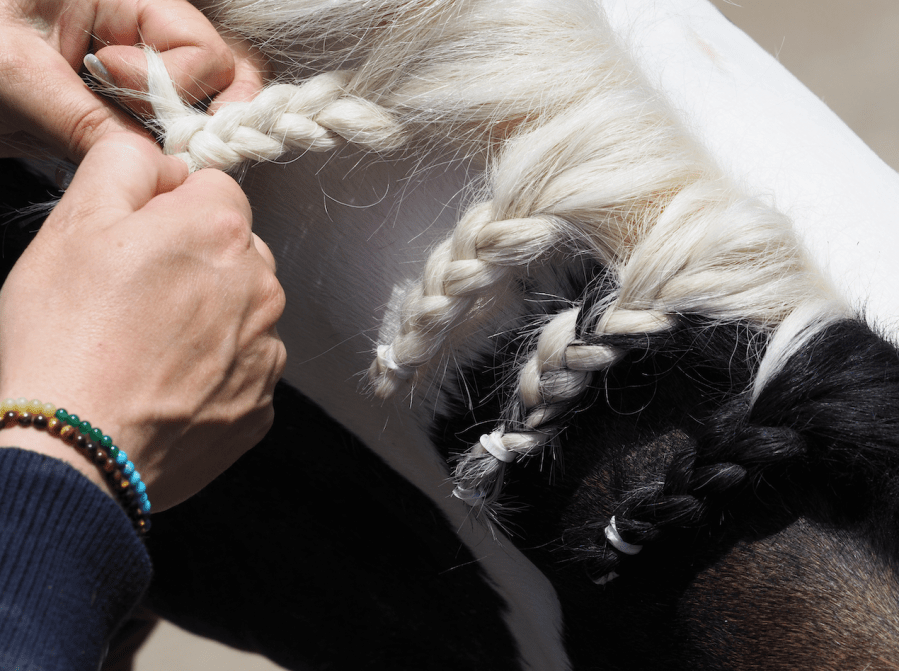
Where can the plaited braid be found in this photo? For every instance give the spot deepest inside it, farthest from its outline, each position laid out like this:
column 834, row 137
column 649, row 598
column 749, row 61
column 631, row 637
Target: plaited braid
column 692, row 261
column 552, row 380
column 539, row 209
column 318, row 115
column 809, row 415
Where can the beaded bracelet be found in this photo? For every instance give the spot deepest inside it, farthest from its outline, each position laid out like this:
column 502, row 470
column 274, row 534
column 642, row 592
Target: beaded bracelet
column 89, row 442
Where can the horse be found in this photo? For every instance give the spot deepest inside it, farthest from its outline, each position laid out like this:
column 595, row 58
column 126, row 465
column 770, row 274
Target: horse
column 567, row 389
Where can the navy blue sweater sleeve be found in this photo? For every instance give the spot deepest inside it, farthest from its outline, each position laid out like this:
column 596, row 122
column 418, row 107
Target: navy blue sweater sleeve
column 71, row 565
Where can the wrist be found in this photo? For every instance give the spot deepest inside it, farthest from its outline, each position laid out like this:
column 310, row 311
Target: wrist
column 81, row 445
column 39, row 441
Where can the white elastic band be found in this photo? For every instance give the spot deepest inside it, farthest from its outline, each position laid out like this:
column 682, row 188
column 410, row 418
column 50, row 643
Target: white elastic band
column 385, row 353
column 607, row 578
column 472, row 497
column 493, row 443
column 619, row 543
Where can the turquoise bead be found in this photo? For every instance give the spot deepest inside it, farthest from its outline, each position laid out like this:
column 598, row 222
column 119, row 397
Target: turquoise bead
column 121, row 458
column 135, row 478
column 145, row 505
column 106, row 442
column 129, row 469
column 140, row 487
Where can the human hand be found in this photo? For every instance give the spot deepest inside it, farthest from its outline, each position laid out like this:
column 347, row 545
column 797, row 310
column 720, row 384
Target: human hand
column 147, row 306
column 43, row 43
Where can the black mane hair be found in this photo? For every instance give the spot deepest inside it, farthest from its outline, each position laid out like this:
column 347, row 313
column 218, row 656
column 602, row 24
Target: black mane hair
column 797, row 491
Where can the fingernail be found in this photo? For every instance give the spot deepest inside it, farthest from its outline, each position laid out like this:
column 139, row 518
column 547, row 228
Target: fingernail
column 98, row 70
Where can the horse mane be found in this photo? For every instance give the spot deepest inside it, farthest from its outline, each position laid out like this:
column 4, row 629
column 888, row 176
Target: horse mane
column 584, row 165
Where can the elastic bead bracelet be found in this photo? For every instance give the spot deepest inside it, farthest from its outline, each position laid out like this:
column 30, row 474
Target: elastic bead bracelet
column 92, row 444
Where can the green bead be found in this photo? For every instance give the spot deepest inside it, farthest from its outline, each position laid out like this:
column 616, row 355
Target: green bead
column 113, row 450
column 73, row 420
column 62, row 415
column 84, row 427
column 95, row 434
column 105, row 441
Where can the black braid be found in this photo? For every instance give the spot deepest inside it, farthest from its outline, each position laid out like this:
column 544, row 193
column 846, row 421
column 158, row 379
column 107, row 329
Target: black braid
column 833, row 406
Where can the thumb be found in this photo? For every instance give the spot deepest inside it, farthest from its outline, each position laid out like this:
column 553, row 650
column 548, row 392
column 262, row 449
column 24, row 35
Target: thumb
column 119, row 175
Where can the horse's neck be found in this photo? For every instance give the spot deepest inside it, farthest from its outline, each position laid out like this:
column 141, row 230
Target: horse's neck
column 838, row 596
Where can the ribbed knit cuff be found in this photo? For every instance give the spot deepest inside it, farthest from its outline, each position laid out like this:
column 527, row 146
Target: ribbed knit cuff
column 71, row 565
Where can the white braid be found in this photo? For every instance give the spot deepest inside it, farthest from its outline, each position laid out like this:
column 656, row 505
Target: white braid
column 548, row 385
column 317, row 115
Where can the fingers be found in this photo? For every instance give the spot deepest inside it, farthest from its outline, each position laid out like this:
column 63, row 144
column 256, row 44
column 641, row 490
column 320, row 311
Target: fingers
column 195, row 55
column 215, row 192
column 118, row 177
column 251, row 69
column 42, row 95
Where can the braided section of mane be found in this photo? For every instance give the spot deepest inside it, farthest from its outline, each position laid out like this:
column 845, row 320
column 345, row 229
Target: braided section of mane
column 832, row 409
column 318, row 115
column 692, row 260
column 583, row 164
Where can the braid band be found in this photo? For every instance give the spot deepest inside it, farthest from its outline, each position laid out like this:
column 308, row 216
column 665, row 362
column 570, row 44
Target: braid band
column 385, row 355
column 493, row 443
column 617, row 542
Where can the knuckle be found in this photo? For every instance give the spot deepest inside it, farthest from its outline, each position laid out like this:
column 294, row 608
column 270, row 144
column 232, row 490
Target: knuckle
column 281, row 360
column 209, row 67
column 276, row 296
column 86, row 128
column 266, row 421
column 231, row 228
column 224, row 70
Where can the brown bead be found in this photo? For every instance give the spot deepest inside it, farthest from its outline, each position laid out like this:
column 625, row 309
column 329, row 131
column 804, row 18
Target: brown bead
column 10, row 418
column 53, row 426
column 99, row 456
column 143, row 525
column 40, row 422
column 80, row 440
column 116, row 476
column 67, row 433
column 25, row 418
column 109, row 466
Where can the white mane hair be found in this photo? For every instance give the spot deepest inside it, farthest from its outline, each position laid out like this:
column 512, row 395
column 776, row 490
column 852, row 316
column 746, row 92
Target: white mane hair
column 582, row 160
